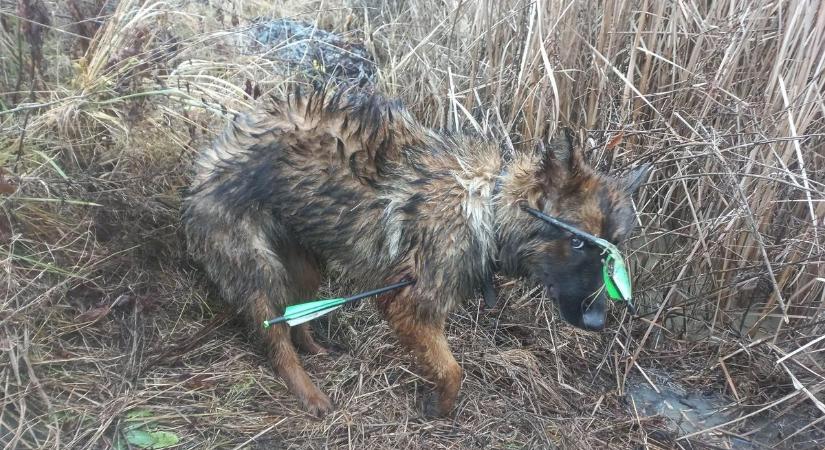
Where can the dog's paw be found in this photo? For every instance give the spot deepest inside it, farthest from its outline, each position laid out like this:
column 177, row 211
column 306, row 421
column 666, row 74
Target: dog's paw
column 431, row 406
column 316, row 349
column 318, row 404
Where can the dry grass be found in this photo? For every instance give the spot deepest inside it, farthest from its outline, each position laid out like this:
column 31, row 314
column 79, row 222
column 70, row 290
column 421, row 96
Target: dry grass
column 104, row 103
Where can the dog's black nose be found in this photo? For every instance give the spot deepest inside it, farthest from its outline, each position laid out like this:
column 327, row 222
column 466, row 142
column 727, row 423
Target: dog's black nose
column 593, row 321
column 593, row 318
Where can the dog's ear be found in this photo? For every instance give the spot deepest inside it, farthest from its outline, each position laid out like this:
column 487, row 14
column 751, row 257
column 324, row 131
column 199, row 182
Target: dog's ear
column 559, row 155
column 561, row 147
column 636, row 178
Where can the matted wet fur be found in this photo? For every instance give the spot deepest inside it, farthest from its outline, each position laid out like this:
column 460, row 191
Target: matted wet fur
column 353, row 183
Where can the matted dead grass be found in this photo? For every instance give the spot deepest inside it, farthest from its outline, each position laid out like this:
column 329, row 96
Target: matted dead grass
column 106, row 327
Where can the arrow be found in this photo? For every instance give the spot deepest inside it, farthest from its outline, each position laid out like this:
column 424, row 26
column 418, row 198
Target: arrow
column 304, row 312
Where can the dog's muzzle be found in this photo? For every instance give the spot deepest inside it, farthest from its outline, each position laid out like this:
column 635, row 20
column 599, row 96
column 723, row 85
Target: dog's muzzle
column 593, row 318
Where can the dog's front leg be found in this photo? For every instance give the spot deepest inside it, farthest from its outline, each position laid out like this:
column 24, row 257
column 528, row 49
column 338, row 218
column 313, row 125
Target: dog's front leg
column 424, row 336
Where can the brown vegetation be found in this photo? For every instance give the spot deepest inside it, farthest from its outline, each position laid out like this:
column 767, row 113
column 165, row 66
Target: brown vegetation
column 103, row 321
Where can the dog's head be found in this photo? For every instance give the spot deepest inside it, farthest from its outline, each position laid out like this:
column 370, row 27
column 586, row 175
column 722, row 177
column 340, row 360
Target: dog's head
column 556, row 180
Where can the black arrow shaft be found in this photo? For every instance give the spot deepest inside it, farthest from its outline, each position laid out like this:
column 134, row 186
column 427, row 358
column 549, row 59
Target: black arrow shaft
column 378, row 291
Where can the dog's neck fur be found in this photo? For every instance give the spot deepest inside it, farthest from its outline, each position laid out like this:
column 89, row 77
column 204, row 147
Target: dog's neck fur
column 488, row 289
column 496, row 204
column 515, row 183
column 500, row 194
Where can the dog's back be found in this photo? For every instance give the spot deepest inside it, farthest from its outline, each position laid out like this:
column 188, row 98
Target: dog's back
column 353, row 181
column 349, row 182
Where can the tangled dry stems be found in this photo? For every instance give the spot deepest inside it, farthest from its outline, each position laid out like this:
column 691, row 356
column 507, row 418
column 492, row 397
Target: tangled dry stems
column 104, row 104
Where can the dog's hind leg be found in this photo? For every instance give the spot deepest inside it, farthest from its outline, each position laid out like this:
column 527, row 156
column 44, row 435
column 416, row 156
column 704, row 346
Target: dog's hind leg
column 242, row 256
column 426, row 339
column 306, row 278
column 286, row 363
column 302, row 338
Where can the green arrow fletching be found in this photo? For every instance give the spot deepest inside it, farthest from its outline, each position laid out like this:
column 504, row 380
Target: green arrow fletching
column 298, row 314
column 302, row 309
column 308, row 317
column 614, row 271
column 616, row 277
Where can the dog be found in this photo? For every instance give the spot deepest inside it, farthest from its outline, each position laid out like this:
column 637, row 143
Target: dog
column 350, row 182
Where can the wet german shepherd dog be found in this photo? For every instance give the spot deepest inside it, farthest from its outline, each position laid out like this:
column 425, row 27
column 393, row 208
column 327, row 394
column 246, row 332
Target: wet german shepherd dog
column 352, row 183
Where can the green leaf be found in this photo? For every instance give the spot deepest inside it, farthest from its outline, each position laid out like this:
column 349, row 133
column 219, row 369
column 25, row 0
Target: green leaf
column 140, row 438
column 164, row 439
column 137, row 419
column 152, row 439
column 138, row 414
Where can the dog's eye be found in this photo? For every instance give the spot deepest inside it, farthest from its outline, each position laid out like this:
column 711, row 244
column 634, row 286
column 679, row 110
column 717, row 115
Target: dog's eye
column 576, row 243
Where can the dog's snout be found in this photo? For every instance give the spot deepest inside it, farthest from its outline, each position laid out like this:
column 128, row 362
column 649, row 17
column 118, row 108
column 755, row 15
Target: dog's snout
column 593, row 322
column 594, row 316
